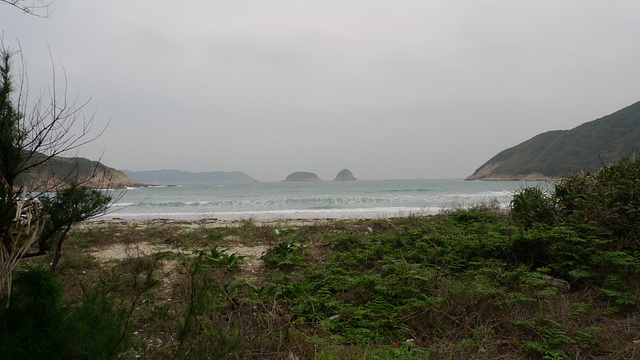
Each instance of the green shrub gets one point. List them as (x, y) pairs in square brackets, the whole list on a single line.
[(285, 255), (39, 324), (608, 199), (532, 206), (587, 228)]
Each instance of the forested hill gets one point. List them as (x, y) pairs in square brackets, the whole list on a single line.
[(558, 154)]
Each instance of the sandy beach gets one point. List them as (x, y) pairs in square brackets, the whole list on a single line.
[(210, 222), (118, 250)]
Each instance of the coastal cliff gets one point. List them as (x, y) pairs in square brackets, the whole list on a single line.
[(557, 154)]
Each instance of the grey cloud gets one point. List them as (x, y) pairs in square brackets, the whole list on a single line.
[(387, 89)]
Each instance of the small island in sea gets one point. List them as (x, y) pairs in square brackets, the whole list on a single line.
[(302, 176), (345, 175)]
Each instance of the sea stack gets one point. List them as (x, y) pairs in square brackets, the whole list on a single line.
[(345, 175), (302, 176)]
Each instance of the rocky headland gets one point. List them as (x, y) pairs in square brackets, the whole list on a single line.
[(57, 172), (558, 154)]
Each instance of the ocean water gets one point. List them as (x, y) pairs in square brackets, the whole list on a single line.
[(295, 200)]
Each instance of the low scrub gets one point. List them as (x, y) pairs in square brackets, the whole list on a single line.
[(556, 277)]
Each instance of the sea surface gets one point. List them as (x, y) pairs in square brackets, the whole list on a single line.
[(296, 200)]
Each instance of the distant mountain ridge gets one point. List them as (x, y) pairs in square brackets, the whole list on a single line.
[(179, 177), (561, 153)]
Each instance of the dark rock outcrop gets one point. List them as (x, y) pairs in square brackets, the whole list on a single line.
[(345, 175), (302, 176)]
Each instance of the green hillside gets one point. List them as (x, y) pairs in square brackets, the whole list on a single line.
[(558, 154), (58, 171)]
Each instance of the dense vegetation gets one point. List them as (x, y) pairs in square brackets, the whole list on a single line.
[(554, 277), (558, 154)]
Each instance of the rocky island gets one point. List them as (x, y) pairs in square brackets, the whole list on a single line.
[(302, 176), (345, 175)]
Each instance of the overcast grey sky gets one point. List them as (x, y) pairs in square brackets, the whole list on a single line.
[(388, 89)]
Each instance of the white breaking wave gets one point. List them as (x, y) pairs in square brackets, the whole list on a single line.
[(364, 199)]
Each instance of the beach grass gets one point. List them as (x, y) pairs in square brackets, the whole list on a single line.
[(460, 285), (556, 276)]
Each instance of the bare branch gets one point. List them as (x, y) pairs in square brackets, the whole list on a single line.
[(56, 125), (38, 8), (29, 145)]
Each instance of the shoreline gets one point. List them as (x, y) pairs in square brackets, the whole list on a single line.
[(215, 222), (354, 200)]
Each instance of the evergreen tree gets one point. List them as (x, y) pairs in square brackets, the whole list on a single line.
[(26, 143)]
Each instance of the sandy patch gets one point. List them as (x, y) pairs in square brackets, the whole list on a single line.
[(115, 252), (122, 251), (211, 222), (251, 255)]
